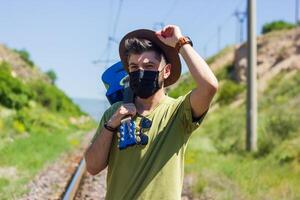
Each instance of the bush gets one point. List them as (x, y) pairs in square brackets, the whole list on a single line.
[(226, 128), (282, 124), (13, 93), (16, 94), (288, 151), (18, 127), (52, 75), (228, 91), (183, 88), (40, 118), (25, 56), (1, 126), (277, 125), (53, 98), (225, 72), (276, 25)]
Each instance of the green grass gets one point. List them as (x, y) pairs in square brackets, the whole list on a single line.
[(30, 154), (35, 127), (45, 135), (30, 139), (216, 155), (235, 176)]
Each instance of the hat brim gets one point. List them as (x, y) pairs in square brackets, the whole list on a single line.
[(170, 53)]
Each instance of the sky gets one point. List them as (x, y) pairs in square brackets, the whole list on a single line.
[(68, 36)]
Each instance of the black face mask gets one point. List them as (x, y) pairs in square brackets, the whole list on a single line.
[(145, 83)]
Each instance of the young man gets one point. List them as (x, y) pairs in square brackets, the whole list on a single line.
[(155, 170)]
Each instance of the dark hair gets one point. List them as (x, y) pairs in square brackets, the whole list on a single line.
[(139, 46)]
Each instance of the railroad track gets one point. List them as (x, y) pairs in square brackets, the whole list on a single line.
[(66, 178), (84, 186), (75, 181)]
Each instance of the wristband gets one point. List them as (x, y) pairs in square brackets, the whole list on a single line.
[(111, 129), (182, 41)]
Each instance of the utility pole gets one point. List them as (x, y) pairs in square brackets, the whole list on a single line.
[(241, 16), (251, 79)]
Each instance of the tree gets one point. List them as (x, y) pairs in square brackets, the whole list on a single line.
[(52, 75), (277, 25), (23, 53)]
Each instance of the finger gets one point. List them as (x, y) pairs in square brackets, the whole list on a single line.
[(160, 37), (164, 31), (158, 32), (128, 104), (169, 31), (123, 111), (132, 112), (130, 108)]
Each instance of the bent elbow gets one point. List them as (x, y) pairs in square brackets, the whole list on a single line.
[(213, 87), (92, 169)]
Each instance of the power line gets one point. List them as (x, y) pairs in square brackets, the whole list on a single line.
[(220, 28), (161, 24), (297, 12), (117, 18), (171, 9), (111, 38), (217, 34), (241, 16)]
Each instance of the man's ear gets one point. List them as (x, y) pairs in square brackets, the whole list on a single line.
[(167, 71)]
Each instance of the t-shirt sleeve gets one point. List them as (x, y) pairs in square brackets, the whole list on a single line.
[(186, 116), (100, 126)]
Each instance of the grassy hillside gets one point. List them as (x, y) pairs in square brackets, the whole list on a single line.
[(216, 155), (38, 122)]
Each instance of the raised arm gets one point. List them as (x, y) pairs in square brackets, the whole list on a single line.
[(207, 83)]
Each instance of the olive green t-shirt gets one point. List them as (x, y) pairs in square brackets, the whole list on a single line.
[(152, 171)]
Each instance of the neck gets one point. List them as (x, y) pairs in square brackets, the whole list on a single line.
[(147, 105)]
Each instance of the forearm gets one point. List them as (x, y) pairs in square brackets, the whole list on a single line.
[(200, 71), (96, 156)]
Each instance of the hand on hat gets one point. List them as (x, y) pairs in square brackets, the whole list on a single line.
[(169, 35)]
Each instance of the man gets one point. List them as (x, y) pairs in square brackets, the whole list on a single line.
[(155, 170)]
